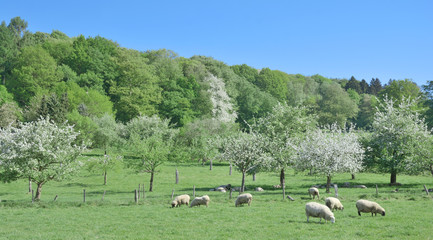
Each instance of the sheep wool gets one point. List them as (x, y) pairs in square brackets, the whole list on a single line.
[(204, 200), (244, 198), (318, 210), (369, 206), (314, 192), (333, 203), (179, 200)]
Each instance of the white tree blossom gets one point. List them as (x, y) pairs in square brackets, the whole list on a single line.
[(222, 106), (283, 124), (245, 151), (40, 150), (329, 151), (401, 141)]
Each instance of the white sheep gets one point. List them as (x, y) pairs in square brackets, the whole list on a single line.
[(244, 198), (220, 189), (258, 189), (369, 206), (333, 203), (204, 200), (313, 192), (314, 209), (179, 200)]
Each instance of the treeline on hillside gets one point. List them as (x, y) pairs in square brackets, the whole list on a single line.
[(81, 79)]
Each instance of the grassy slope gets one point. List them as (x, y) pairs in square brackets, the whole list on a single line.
[(408, 212)]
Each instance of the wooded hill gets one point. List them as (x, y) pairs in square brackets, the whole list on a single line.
[(81, 79)]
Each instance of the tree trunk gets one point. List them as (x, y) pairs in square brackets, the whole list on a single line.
[(105, 177), (243, 182), (282, 178), (393, 177), (39, 191), (353, 176), (328, 184), (151, 182), (30, 185)]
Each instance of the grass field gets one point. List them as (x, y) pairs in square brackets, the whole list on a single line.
[(409, 212)]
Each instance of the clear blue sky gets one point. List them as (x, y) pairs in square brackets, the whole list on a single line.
[(337, 39)]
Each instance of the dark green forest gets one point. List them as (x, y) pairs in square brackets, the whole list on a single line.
[(85, 80)]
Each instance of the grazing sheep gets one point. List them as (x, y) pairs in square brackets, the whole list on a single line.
[(359, 186), (333, 203), (314, 209), (204, 200), (369, 206), (179, 200), (259, 189), (313, 192), (244, 198), (277, 186)]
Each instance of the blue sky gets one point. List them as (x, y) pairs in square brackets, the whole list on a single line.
[(337, 39)]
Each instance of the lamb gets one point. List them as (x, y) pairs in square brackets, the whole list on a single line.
[(314, 209), (179, 200), (244, 198), (333, 203), (204, 200), (314, 191), (258, 189), (369, 206)]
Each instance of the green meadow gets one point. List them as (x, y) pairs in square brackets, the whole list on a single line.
[(408, 211)]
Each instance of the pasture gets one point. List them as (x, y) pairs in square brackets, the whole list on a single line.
[(408, 211)]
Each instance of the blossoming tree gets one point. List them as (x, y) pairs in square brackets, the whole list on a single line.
[(41, 151), (329, 151)]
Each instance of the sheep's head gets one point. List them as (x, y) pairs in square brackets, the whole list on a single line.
[(173, 204), (332, 219)]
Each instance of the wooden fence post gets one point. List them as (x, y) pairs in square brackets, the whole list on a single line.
[(336, 190), (210, 168), (377, 191), (172, 194), (84, 195), (426, 190), (231, 191), (230, 172), (55, 198), (193, 191), (135, 196), (177, 176)]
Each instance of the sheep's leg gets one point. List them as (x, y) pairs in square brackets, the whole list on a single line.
[(359, 213)]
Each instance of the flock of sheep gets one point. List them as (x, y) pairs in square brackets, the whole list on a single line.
[(312, 209), (204, 200)]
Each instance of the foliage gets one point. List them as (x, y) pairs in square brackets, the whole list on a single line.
[(135, 91), (107, 133), (399, 90), (40, 151), (10, 113), (335, 105)]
